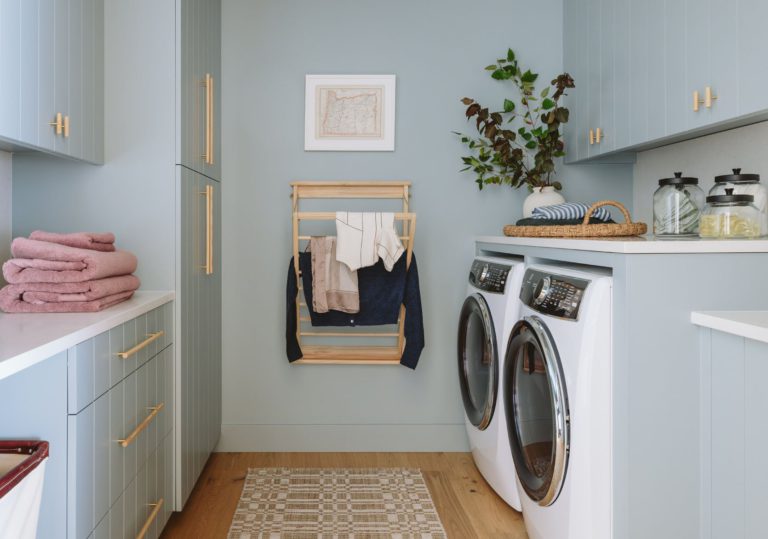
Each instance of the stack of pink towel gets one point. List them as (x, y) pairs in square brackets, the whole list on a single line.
[(66, 273)]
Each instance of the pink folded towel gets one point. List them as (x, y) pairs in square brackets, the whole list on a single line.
[(42, 263), (86, 291), (84, 240), (11, 302)]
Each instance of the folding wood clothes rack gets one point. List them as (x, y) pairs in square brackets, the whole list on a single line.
[(348, 354)]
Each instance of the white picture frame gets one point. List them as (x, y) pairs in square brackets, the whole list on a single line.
[(349, 113)]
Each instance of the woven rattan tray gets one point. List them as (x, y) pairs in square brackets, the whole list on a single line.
[(584, 230)]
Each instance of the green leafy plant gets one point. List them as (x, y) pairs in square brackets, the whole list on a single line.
[(522, 153)]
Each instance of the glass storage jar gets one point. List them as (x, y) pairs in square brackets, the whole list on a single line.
[(677, 205), (745, 184), (730, 216)]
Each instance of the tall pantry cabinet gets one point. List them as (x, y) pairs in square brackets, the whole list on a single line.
[(159, 191)]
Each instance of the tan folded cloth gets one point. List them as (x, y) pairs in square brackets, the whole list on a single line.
[(334, 285)]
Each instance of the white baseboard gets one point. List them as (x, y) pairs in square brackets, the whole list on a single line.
[(357, 438)]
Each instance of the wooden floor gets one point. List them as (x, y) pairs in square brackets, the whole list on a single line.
[(467, 506)]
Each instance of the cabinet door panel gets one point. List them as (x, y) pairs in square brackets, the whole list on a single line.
[(76, 80), (656, 89), (752, 54), (621, 75), (29, 74), (61, 61), (10, 68), (638, 117), (46, 74), (678, 95), (608, 88), (594, 82), (574, 56)]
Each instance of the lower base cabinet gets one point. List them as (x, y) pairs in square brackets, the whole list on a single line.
[(110, 425)]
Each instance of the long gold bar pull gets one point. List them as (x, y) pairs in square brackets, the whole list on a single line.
[(209, 232), (57, 124), (66, 126), (211, 124), (143, 344), (207, 152), (708, 97), (152, 516), (208, 194), (154, 410)]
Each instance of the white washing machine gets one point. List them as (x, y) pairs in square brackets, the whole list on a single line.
[(489, 312), (557, 381)]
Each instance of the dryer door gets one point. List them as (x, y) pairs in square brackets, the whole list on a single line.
[(478, 361), (536, 403)]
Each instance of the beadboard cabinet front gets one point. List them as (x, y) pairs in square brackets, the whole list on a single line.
[(199, 284), (199, 61), (52, 77), (650, 72)]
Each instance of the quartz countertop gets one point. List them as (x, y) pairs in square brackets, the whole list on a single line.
[(636, 245), (27, 339), (749, 324)]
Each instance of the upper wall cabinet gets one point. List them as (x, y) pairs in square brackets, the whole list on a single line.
[(653, 72), (52, 77), (199, 50)]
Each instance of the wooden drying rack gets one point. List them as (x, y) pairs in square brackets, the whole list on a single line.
[(349, 354)]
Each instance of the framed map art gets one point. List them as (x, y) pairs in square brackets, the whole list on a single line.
[(350, 113)]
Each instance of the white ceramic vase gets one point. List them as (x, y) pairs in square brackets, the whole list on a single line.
[(541, 196)]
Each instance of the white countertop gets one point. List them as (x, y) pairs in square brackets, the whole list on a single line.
[(750, 324), (26, 339), (636, 245)]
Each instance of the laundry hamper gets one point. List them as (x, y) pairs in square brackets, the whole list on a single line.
[(22, 468)]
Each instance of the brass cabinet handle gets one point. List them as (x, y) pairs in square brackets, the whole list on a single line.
[(599, 135), (66, 126), (591, 137), (208, 83), (154, 410), (696, 101), (708, 97), (150, 338), (210, 123), (57, 124), (208, 194), (152, 516)]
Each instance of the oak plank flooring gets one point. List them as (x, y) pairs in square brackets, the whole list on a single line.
[(467, 506)]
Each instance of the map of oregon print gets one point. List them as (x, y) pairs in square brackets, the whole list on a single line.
[(349, 111)]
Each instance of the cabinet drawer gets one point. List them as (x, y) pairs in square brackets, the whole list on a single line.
[(112, 440), (94, 366), (138, 505)]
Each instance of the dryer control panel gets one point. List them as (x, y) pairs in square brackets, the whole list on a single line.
[(554, 295), (489, 276)]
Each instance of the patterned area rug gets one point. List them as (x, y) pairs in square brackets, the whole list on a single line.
[(307, 503)]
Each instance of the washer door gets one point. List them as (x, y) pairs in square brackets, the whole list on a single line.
[(478, 361), (536, 403)]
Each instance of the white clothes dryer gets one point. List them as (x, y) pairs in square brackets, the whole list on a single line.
[(488, 314), (557, 399)]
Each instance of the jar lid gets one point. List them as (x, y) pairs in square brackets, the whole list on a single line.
[(730, 198), (679, 180), (737, 176)]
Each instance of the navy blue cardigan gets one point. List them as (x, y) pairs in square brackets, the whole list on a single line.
[(381, 294)]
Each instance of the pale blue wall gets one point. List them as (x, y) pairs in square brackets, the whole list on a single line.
[(438, 50)]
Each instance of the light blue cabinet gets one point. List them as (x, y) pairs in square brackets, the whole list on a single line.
[(51, 69), (734, 433), (200, 342), (655, 72), (199, 38)]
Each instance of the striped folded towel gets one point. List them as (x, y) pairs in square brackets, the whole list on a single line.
[(569, 210)]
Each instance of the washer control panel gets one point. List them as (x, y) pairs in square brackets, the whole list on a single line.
[(555, 295), (489, 276)]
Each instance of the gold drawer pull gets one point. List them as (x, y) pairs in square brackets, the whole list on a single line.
[(143, 425), (152, 516), (146, 342)]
